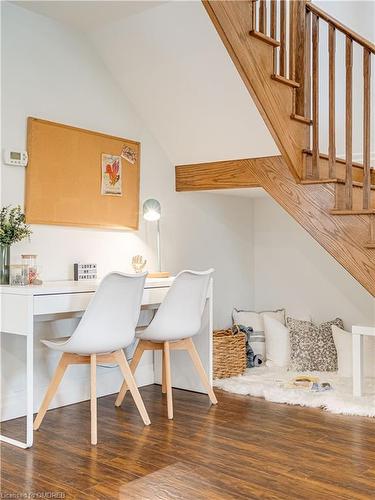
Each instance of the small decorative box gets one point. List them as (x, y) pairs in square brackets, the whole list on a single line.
[(85, 272)]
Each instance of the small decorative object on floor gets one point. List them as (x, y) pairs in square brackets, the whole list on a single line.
[(138, 263), (308, 383), (12, 229), (229, 353), (85, 272)]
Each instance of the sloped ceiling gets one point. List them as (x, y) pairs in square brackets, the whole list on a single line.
[(171, 64), (85, 15)]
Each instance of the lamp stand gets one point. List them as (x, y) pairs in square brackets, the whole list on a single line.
[(158, 246), (160, 273)]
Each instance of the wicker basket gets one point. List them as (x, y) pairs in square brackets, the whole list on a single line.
[(229, 353)]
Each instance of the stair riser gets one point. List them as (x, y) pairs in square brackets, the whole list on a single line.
[(340, 197), (340, 170)]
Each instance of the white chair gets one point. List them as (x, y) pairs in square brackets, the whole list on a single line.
[(177, 320), (107, 326)]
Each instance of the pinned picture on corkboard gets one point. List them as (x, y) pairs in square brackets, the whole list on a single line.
[(78, 177), (111, 175), (129, 154)]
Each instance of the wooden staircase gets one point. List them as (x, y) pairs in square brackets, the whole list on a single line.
[(275, 47)]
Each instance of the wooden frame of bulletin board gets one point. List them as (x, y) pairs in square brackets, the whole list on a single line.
[(77, 177)]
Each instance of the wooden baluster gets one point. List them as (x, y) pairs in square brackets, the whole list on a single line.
[(263, 16), (292, 39), (349, 125), (305, 97), (332, 111), (282, 52), (302, 61), (254, 15), (366, 128), (315, 96), (273, 19), (273, 32)]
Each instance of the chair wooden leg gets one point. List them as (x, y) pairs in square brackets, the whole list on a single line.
[(200, 369), (93, 401), (51, 391), (128, 376), (133, 366), (163, 383), (168, 383)]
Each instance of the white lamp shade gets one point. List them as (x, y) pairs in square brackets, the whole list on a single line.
[(151, 210)]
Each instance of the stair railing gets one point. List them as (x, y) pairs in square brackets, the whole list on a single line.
[(294, 30)]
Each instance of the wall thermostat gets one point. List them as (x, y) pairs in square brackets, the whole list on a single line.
[(16, 158)]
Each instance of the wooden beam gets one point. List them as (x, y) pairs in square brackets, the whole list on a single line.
[(216, 175)]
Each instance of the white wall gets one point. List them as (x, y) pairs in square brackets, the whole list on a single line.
[(182, 81), (50, 72), (292, 270)]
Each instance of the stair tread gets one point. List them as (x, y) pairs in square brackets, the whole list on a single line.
[(320, 181), (355, 183), (302, 119), (286, 81), (369, 211), (333, 180), (264, 38)]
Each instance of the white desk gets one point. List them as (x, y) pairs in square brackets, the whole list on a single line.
[(357, 339), (21, 306)]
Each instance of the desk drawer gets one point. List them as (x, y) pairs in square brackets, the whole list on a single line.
[(154, 295), (74, 302), (61, 303)]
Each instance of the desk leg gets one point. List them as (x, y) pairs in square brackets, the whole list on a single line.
[(29, 399), (357, 341)]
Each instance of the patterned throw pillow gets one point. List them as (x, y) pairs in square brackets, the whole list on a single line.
[(312, 347), (255, 321)]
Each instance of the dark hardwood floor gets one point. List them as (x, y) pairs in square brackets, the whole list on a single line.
[(243, 448)]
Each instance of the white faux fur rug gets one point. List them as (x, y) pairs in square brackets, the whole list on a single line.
[(268, 383)]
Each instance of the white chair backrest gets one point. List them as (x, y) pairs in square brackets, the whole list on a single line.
[(110, 319), (180, 313)]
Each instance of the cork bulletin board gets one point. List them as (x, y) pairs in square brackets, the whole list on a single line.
[(78, 177)]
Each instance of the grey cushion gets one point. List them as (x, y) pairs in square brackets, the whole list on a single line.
[(312, 347)]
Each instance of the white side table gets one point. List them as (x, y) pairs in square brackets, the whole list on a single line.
[(358, 333)]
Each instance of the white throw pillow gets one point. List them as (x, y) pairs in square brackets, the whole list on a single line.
[(343, 343), (277, 343), (255, 321)]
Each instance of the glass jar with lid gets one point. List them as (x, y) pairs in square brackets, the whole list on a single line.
[(19, 275), (29, 260)]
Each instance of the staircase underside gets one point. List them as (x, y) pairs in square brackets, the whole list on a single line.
[(343, 237), (333, 199)]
